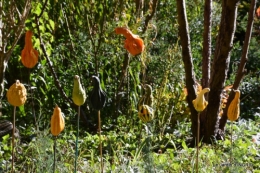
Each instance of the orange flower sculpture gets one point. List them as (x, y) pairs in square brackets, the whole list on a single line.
[(257, 13), (133, 43), (57, 121), (29, 54)]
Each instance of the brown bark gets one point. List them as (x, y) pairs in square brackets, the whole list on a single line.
[(206, 54), (220, 66), (188, 63), (241, 70)]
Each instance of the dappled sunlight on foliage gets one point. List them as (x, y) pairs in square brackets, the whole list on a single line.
[(141, 93)]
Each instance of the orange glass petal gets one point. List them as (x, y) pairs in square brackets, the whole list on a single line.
[(57, 122), (29, 54), (133, 44), (257, 13), (126, 32)]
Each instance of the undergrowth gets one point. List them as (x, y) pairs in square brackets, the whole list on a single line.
[(138, 150)]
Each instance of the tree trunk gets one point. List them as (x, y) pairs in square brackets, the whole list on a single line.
[(206, 54), (220, 67), (188, 63), (241, 70)]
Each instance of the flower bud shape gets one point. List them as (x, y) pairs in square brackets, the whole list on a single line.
[(57, 122), (234, 107), (97, 95), (16, 95), (200, 103), (133, 44), (78, 93), (147, 98), (29, 56), (145, 113)]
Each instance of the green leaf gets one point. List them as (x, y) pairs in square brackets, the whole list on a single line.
[(51, 24), (37, 9), (183, 144), (5, 138)]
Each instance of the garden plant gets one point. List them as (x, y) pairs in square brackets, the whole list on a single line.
[(158, 86)]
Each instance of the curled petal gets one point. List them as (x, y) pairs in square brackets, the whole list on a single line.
[(200, 103), (133, 44), (234, 107), (126, 32)]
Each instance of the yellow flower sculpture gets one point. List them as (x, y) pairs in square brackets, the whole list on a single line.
[(78, 93), (145, 113), (57, 122), (234, 107), (16, 95), (200, 103), (145, 104)]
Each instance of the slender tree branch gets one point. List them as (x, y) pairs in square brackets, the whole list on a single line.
[(19, 29), (138, 7), (71, 41), (66, 20), (100, 35), (8, 27), (187, 60), (241, 70), (150, 16), (206, 56), (206, 52), (43, 9), (56, 80), (121, 84), (1, 27)]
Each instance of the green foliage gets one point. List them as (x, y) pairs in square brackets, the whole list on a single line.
[(79, 38), (5, 151), (126, 151), (250, 97)]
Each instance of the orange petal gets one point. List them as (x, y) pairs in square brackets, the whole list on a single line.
[(258, 12), (134, 46), (126, 32), (29, 56)]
